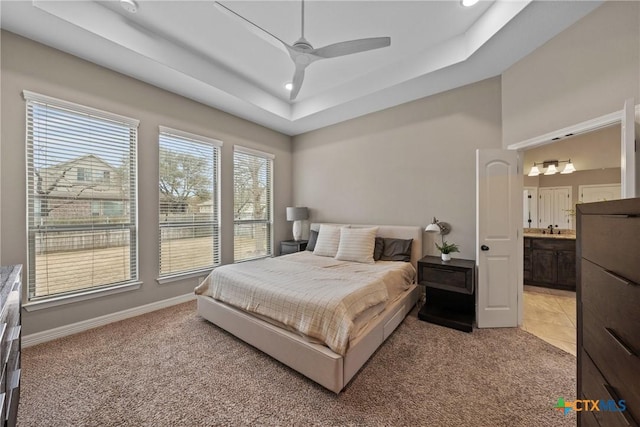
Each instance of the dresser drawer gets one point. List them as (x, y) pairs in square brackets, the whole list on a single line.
[(588, 420), (449, 279), (616, 301), (595, 387), (619, 365), (612, 242), (13, 398)]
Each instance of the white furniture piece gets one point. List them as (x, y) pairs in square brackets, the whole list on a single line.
[(315, 361)]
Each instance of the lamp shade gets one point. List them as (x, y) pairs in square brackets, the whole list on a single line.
[(551, 170), (569, 168), (534, 171), (432, 228), (297, 213)]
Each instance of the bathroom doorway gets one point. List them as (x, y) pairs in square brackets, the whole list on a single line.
[(548, 225)]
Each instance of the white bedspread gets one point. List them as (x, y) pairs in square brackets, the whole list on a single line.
[(318, 296)]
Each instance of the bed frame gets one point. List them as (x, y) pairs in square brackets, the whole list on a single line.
[(315, 361)]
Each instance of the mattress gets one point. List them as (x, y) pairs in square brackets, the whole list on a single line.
[(326, 300)]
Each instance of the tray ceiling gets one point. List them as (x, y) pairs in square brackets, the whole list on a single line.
[(191, 48)]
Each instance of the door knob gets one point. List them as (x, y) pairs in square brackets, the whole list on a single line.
[(484, 247)]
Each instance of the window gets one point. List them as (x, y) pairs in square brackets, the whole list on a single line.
[(81, 174), (189, 189), (252, 204), (75, 245)]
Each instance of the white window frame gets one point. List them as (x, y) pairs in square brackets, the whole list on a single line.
[(269, 222), (217, 145), (36, 303)]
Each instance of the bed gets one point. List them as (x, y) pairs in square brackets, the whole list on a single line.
[(333, 363)]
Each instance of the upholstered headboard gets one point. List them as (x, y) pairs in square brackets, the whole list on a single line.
[(392, 231)]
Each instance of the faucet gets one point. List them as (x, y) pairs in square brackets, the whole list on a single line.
[(550, 227)]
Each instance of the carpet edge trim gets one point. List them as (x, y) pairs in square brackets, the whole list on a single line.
[(84, 325)]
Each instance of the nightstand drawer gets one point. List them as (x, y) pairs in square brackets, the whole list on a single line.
[(449, 279), (292, 246)]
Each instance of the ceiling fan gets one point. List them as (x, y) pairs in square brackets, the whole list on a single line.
[(302, 52)]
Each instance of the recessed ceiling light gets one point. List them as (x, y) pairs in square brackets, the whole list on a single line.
[(129, 5), (288, 86), (469, 3)]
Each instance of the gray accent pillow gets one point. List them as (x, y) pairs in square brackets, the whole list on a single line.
[(313, 236), (377, 250), (396, 250)]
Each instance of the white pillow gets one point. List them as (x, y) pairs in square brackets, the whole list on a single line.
[(357, 244), (328, 240)]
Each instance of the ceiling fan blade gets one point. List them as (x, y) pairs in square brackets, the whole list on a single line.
[(259, 31), (353, 46), (298, 77)]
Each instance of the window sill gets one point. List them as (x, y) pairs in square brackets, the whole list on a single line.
[(81, 296), (182, 276)]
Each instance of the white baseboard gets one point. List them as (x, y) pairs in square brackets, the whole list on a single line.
[(74, 328)]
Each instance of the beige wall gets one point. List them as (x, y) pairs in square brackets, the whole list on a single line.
[(584, 72), (593, 150), (403, 165), (32, 66)]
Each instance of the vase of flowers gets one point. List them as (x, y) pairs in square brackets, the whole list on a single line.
[(446, 249)]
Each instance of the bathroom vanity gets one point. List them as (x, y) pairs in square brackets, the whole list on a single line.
[(550, 260)]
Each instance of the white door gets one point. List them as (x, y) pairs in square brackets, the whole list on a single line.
[(599, 192), (562, 208), (499, 250), (545, 207), (530, 207), (628, 155), (555, 207)]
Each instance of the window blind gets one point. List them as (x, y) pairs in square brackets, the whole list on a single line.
[(189, 202), (252, 201), (81, 196)]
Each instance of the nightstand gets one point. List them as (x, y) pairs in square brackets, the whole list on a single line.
[(292, 246), (450, 292)]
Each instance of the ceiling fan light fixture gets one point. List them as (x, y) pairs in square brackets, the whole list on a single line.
[(469, 3)]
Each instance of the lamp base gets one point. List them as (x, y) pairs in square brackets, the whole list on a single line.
[(297, 230)]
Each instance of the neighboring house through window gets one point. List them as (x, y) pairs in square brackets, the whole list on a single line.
[(189, 189), (82, 233), (253, 203)]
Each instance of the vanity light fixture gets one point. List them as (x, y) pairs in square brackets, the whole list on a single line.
[(551, 167)]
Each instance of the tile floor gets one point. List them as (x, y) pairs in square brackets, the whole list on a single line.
[(550, 314)]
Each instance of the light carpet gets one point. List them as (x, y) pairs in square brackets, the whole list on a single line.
[(173, 368)]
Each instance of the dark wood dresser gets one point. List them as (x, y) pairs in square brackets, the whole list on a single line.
[(608, 293), (10, 337)]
